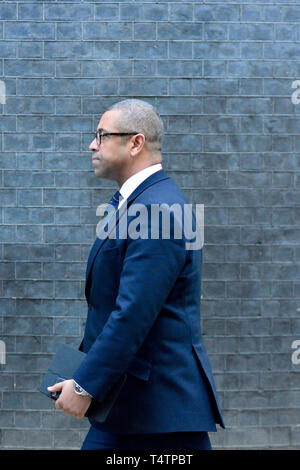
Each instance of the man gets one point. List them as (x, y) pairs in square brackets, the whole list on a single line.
[(143, 299)]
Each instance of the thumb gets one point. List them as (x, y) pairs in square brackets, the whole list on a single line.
[(56, 387)]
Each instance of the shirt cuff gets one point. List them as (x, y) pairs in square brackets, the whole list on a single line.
[(85, 392)]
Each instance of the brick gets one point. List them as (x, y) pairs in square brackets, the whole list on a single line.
[(180, 87), (69, 326), (179, 68), (25, 179), (65, 234), (214, 105), (8, 12), (257, 32), (216, 12), (106, 87), (214, 143), (252, 124), (7, 271), (8, 123), (142, 49), (215, 32), (180, 50), (69, 31), (27, 419), (51, 343), (73, 124), (30, 68), (8, 49), (28, 307), (249, 105), (249, 179), (68, 105), (63, 161), (27, 270), (60, 197), (107, 12), (30, 105), (30, 11), (107, 68), (151, 12), (177, 30), (106, 50), (284, 13), (28, 343), (252, 13), (215, 50), (254, 50), (214, 68), (249, 68), (27, 123), (114, 30), (6, 419), (68, 49), (188, 105), (285, 32), (68, 11), (67, 290), (29, 30), (143, 86), (182, 12), (181, 142), (37, 439), (278, 86), (12, 438), (70, 141), (30, 49), (7, 160), (67, 68), (54, 420), (67, 439), (145, 31), (285, 50), (63, 271), (64, 87), (144, 67)]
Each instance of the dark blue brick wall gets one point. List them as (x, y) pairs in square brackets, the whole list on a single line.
[(220, 73)]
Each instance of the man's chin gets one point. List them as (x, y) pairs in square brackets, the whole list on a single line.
[(101, 174), (98, 173)]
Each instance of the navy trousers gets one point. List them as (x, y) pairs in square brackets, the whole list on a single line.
[(99, 440)]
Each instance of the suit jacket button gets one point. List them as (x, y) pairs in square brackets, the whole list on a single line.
[(89, 306)]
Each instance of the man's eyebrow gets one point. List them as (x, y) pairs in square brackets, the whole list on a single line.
[(101, 129)]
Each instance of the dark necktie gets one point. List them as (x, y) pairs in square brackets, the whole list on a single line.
[(113, 202)]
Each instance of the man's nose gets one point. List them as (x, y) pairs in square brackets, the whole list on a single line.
[(93, 145)]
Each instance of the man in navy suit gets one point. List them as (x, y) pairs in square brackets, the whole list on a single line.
[(143, 296)]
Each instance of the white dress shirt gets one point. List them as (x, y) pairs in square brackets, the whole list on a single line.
[(135, 180)]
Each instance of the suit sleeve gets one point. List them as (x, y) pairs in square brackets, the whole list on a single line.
[(150, 270)]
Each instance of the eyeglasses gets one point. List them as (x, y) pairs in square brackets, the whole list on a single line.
[(98, 135)]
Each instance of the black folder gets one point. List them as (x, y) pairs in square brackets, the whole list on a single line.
[(63, 366)]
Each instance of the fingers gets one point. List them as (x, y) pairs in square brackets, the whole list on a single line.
[(58, 405), (56, 387)]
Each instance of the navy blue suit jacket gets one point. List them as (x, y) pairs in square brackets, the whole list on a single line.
[(144, 320)]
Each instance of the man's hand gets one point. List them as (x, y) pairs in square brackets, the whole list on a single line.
[(69, 401)]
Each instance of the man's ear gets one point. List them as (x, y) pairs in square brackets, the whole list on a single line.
[(137, 143)]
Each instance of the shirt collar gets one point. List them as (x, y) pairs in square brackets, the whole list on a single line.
[(135, 180)]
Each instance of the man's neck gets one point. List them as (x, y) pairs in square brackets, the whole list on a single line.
[(135, 180), (133, 171)]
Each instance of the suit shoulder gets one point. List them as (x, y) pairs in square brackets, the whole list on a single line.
[(164, 191)]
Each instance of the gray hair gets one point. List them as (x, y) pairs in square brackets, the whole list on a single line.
[(140, 116)]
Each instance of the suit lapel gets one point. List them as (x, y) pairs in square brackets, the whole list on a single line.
[(152, 179)]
